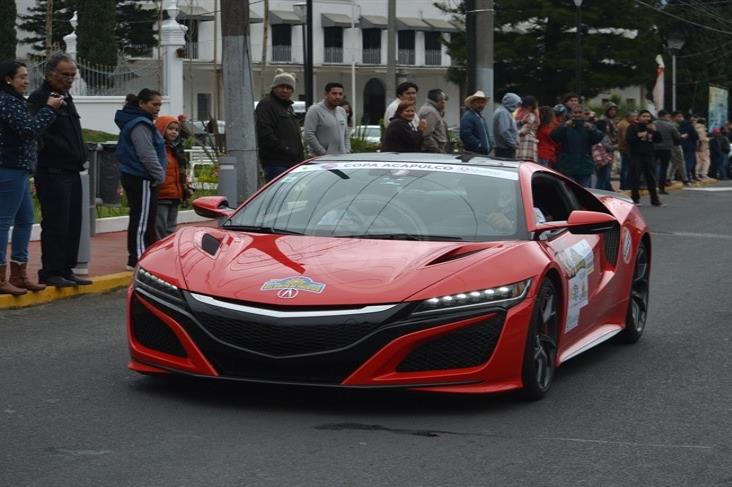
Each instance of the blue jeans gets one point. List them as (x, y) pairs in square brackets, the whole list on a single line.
[(624, 170), (690, 158), (603, 177), (16, 209), (585, 181)]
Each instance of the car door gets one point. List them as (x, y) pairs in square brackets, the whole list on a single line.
[(578, 255)]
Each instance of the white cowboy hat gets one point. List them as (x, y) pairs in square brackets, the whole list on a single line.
[(475, 96)]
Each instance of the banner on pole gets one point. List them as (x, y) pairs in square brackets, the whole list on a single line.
[(658, 90), (718, 106)]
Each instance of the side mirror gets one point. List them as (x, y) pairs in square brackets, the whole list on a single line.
[(212, 207), (581, 223)]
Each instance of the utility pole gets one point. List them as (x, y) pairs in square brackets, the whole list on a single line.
[(484, 20), (391, 52), (309, 50), (263, 74), (240, 165), (49, 29)]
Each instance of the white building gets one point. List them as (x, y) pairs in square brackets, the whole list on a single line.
[(421, 55)]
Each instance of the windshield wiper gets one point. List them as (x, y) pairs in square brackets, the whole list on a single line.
[(405, 236), (262, 229)]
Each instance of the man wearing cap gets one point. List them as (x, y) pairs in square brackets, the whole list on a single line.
[(278, 132), (473, 129)]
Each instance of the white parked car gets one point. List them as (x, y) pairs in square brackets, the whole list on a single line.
[(369, 133)]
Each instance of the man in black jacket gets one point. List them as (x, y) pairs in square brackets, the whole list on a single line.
[(278, 132), (61, 157), (641, 138)]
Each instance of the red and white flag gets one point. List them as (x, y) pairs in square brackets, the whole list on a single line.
[(659, 89)]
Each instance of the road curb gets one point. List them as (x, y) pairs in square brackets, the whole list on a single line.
[(677, 186), (101, 284)]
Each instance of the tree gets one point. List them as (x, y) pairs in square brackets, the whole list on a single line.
[(135, 28), (703, 60), (35, 24), (97, 21), (8, 39), (535, 47)]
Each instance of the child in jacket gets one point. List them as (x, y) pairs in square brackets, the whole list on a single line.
[(175, 189)]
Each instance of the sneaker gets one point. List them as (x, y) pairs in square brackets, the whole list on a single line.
[(130, 268)]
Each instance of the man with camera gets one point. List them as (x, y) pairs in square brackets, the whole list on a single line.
[(576, 138), (61, 158), (642, 138)]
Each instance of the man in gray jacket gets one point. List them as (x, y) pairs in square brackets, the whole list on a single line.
[(504, 130), (433, 112), (326, 130), (670, 137)]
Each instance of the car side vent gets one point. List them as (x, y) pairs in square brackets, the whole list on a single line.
[(210, 244), (612, 245)]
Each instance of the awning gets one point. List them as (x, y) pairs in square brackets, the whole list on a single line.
[(255, 18), (440, 25), (411, 23), (283, 17), (373, 22), (188, 12), (336, 20)]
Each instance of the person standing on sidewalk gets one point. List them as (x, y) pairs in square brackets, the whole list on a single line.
[(433, 113), (473, 130), (630, 118), (641, 138), (576, 137), (174, 190), (60, 160), (326, 124), (702, 152), (278, 131), (406, 91), (19, 132), (505, 130), (142, 164), (670, 137), (401, 136), (547, 148), (528, 124)]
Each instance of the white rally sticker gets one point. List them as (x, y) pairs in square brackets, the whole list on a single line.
[(577, 299), (578, 256), (627, 245), (410, 166)]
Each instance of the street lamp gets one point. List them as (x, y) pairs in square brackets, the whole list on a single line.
[(578, 67), (674, 43), (305, 12)]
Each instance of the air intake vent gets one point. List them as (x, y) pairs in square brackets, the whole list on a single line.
[(210, 244), (153, 333)]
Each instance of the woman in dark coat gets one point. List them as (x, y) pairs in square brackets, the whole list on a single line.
[(19, 133), (400, 134)]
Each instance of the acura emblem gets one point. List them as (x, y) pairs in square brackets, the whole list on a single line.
[(287, 293)]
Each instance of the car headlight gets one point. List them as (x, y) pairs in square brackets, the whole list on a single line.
[(504, 296), (154, 283)]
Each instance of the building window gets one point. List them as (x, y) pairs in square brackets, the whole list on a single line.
[(191, 38), (371, 46), (203, 106), (406, 46), (282, 43), (333, 39), (432, 49)]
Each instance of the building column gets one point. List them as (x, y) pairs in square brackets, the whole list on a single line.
[(172, 38)]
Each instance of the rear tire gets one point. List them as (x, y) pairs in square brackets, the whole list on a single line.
[(541, 344), (635, 318)]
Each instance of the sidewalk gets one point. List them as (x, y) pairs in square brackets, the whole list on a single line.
[(109, 256), (106, 268)]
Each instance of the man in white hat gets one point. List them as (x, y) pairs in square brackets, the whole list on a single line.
[(473, 129), (278, 131)]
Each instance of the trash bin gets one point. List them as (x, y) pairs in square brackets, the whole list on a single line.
[(108, 183)]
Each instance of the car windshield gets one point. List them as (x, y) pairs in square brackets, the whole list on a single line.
[(389, 200)]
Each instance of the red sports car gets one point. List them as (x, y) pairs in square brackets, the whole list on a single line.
[(431, 272)]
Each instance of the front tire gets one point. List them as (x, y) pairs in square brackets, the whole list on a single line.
[(635, 318), (541, 344)]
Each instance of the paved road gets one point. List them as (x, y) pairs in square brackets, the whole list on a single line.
[(658, 413)]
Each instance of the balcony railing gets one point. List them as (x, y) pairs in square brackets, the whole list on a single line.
[(433, 57), (281, 54), (192, 50), (372, 56), (406, 56), (333, 54)]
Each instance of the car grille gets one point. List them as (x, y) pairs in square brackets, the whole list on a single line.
[(281, 340), (152, 333), (467, 347)]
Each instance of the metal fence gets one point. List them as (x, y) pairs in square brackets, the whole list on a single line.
[(98, 80)]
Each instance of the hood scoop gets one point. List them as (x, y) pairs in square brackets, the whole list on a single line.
[(210, 244), (460, 252)]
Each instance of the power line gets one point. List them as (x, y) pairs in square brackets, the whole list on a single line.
[(663, 11)]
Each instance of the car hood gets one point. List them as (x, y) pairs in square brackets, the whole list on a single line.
[(266, 269)]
